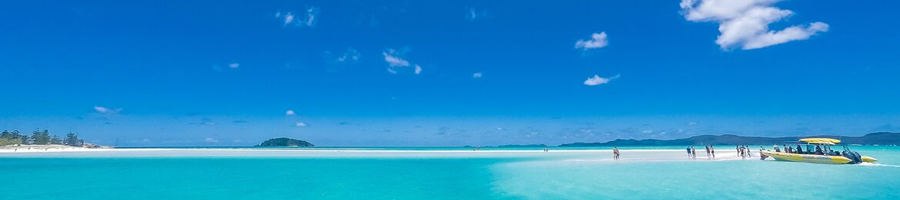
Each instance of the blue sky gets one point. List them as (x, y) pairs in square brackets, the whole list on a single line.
[(446, 73)]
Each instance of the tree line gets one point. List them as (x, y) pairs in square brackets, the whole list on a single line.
[(39, 137)]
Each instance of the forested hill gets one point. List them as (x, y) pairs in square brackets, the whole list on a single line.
[(285, 142), (881, 138)]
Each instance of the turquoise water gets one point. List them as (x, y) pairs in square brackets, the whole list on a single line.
[(532, 175)]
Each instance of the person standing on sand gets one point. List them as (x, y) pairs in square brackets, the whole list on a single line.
[(693, 152), (689, 151), (616, 153), (712, 150), (707, 152), (744, 151), (748, 152)]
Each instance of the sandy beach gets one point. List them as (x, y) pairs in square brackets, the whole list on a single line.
[(42, 148), (575, 155)]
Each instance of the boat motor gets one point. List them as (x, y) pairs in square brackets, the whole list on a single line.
[(854, 157)]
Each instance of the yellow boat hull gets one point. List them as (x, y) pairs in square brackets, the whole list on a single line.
[(869, 159), (811, 158)]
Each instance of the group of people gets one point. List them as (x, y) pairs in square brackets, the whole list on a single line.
[(743, 151), (799, 150), (710, 152)]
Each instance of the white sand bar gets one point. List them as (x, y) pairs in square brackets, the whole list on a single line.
[(572, 155)]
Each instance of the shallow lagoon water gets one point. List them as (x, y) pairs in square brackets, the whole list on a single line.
[(434, 173)]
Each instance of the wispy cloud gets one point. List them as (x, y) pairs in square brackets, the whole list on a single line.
[(229, 66), (300, 124), (289, 112), (393, 58), (477, 75), (473, 14), (338, 61), (395, 61), (288, 18), (745, 23), (598, 40), (106, 110), (211, 140), (309, 17), (597, 80), (311, 14), (349, 55)]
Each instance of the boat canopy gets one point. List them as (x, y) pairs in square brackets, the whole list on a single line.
[(826, 141)]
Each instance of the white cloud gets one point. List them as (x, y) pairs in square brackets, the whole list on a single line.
[(349, 55), (647, 131), (234, 65), (300, 124), (211, 140), (745, 23), (473, 14), (288, 18), (477, 75), (309, 20), (598, 40), (289, 112), (393, 59), (311, 14), (597, 80), (105, 110), (692, 123)]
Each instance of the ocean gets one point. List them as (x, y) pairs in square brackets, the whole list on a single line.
[(438, 173)]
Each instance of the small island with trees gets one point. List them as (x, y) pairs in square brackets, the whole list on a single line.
[(285, 142), (42, 140), (39, 137)]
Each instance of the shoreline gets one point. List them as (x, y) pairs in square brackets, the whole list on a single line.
[(577, 155), (26, 149)]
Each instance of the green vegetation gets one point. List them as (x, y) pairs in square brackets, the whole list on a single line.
[(14, 137), (38, 137), (285, 142), (72, 140)]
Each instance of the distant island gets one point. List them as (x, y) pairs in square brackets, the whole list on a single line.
[(521, 145), (510, 146), (880, 138), (285, 142)]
